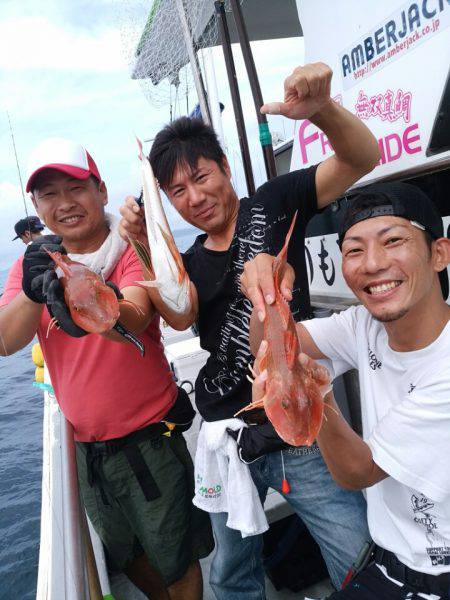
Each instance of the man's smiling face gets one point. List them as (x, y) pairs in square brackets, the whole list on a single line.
[(387, 263), (72, 208)]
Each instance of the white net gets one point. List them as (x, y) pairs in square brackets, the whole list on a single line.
[(155, 46)]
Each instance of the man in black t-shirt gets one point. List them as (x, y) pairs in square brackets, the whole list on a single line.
[(194, 172)]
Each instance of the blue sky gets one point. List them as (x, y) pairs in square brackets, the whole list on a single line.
[(64, 72)]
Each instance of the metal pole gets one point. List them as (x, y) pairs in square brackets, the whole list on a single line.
[(193, 59), (264, 134), (235, 97)]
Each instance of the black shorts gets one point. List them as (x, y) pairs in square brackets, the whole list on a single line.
[(371, 584)]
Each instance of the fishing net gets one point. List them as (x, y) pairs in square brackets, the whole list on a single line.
[(154, 42)]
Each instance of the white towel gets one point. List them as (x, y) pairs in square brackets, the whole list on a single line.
[(223, 483), (104, 260)]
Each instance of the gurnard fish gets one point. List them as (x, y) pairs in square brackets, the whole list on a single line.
[(161, 263), (293, 400), (93, 305)]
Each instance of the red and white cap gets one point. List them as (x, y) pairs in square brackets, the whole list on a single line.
[(62, 155)]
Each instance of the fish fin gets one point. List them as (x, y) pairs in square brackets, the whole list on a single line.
[(53, 323), (284, 311), (168, 238), (252, 405), (133, 305), (262, 366), (145, 258), (291, 348), (147, 284)]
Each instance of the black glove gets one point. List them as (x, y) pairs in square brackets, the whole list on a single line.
[(256, 440), (36, 265)]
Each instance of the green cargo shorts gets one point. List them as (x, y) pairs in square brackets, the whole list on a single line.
[(171, 531)]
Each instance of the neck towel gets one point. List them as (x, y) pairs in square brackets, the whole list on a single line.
[(104, 260), (223, 483)]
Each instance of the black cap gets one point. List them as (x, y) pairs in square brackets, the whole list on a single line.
[(398, 200), (31, 224)]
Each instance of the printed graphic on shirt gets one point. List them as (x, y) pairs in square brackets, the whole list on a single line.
[(437, 547), (374, 363), (412, 387), (234, 348)]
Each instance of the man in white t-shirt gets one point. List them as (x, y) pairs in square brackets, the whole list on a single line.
[(394, 259)]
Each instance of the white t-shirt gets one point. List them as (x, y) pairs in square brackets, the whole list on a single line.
[(405, 404)]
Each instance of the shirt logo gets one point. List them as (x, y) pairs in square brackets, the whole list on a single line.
[(374, 363), (412, 387)]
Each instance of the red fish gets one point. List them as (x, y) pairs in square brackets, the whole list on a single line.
[(294, 395), (92, 304)]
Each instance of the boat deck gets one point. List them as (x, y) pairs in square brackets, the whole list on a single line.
[(124, 590)]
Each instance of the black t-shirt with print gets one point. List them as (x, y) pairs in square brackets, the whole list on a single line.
[(263, 221)]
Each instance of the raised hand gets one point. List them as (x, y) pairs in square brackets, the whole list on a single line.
[(306, 92), (132, 223)]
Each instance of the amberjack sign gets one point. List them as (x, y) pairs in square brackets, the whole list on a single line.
[(402, 31), (390, 62)]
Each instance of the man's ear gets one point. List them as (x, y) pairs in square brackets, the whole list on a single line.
[(226, 166), (441, 253), (103, 192)]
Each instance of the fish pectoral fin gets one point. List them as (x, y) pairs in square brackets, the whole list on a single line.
[(152, 283), (168, 238), (145, 258), (252, 405)]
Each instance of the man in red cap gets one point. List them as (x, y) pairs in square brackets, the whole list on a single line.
[(136, 482)]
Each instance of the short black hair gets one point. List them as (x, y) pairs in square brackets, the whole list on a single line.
[(183, 142), (366, 201)]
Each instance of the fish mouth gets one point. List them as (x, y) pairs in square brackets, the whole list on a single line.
[(382, 288)]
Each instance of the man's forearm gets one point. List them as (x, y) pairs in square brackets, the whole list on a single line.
[(136, 313), (348, 457), (352, 141), (19, 321)]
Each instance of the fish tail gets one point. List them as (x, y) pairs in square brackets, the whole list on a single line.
[(57, 258), (281, 257)]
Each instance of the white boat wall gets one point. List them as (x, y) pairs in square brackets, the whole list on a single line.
[(67, 567)]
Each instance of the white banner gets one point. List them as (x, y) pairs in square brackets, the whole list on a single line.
[(390, 62), (323, 260)]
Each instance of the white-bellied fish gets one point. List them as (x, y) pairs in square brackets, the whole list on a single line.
[(161, 263)]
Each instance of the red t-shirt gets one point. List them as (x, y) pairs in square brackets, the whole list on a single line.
[(104, 388)]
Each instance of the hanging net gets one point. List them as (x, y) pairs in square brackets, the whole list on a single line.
[(154, 42)]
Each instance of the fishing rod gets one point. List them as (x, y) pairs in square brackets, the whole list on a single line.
[(17, 163)]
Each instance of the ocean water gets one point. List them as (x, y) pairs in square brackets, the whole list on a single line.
[(21, 411)]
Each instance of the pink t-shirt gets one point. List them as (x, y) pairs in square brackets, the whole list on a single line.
[(105, 388)]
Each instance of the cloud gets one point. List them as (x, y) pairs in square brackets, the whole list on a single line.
[(37, 43)]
